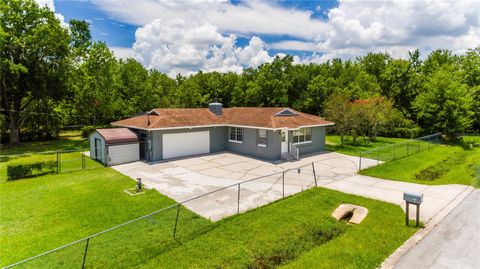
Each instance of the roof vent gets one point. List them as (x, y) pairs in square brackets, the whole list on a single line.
[(215, 107), (286, 112)]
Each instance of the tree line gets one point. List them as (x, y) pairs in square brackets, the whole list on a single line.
[(53, 77)]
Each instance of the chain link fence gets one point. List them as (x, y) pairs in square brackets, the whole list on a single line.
[(401, 150), (122, 246), (18, 166)]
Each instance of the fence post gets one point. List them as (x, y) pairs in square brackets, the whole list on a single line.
[(407, 148), (418, 146), (58, 162), (378, 156), (238, 199), (283, 184), (428, 142), (360, 162), (83, 160), (176, 222), (85, 253), (314, 174)]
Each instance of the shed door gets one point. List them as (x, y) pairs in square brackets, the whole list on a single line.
[(185, 144), (125, 153)]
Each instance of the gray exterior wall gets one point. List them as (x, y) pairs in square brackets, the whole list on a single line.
[(317, 144), (100, 149), (249, 146), (218, 139)]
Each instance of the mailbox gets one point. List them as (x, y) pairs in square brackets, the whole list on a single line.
[(413, 198)]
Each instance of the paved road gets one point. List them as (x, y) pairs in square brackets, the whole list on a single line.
[(454, 243)]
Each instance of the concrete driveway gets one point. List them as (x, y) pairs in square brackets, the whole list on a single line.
[(183, 179)]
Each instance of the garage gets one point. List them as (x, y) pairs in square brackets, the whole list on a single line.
[(185, 144), (114, 146)]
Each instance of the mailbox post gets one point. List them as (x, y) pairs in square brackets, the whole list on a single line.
[(412, 198)]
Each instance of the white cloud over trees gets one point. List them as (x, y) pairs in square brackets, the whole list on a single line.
[(186, 36)]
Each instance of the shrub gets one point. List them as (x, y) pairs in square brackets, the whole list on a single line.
[(23, 170), (440, 168), (87, 130)]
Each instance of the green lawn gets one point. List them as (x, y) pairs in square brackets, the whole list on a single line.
[(67, 140), (31, 152), (45, 212), (443, 164), (333, 143)]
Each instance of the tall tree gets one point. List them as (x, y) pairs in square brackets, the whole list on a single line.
[(446, 104), (34, 59)]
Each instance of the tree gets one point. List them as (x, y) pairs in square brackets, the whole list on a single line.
[(338, 110), (34, 59), (445, 104)]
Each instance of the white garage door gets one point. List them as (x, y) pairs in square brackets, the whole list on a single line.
[(184, 144), (123, 154)]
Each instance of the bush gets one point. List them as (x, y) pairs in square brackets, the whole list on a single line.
[(23, 170), (87, 130), (440, 168)]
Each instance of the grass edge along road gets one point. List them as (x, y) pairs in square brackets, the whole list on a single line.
[(42, 213)]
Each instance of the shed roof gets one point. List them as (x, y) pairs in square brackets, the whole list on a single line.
[(117, 135)]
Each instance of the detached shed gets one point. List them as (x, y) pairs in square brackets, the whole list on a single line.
[(114, 146)]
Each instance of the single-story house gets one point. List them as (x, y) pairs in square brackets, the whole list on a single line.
[(270, 133), (114, 146)]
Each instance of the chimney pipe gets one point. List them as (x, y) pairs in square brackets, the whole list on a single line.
[(215, 107)]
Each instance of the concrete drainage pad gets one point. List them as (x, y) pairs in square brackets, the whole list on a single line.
[(354, 213)]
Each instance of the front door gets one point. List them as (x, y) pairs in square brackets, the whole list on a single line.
[(284, 141)]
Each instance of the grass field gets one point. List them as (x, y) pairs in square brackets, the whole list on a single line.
[(67, 140), (443, 164), (42, 213), (30, 152), (333, 143)]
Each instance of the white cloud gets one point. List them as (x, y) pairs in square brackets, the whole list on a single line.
[(50, 5), (294, 45), (399, 26), (185, 36), (180, 46), (123, 53), (245, 17)]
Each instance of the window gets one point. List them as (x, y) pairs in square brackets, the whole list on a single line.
[(236, 134), (262, 138), (302, 135)]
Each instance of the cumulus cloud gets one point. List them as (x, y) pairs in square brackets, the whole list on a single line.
[(180, 46), (50, 5), (123, 53), (294, 45), (245, 17), (399, 26), (186, 36)]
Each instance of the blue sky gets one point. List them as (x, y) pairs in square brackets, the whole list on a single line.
[(102, 26), (187, 36), (115, 33)]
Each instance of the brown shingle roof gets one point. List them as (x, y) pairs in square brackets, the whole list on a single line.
[(245, 116), (117, 135)]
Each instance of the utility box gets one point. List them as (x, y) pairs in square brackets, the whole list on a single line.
[(413, 198)]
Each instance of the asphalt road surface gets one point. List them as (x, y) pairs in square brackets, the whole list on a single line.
[(454, 243)]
